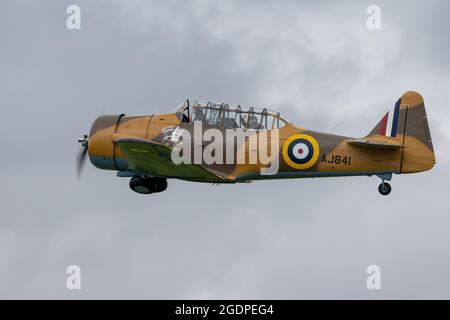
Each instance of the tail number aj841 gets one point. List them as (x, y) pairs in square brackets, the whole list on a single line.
[(337, 159)]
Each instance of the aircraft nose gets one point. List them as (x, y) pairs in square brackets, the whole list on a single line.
[(101, 146)]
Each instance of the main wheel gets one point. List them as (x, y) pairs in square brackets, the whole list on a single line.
[(142, 185), (384, 188), (161, 184)]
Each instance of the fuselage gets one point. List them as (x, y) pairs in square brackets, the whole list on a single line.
[(330, 155), (221, 143)]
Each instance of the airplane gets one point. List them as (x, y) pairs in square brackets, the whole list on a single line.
[(142, 147)]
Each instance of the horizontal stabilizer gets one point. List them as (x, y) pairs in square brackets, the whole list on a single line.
[(375, 145)]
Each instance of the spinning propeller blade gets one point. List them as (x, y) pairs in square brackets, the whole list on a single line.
[(81, 158)]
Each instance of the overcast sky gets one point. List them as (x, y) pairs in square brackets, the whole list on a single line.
[(316, 62)]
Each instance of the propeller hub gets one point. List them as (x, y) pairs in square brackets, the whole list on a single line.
[(83, 140)]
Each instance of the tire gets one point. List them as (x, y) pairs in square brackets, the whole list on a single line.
[(161, 184), (142, 185), (384, 188)]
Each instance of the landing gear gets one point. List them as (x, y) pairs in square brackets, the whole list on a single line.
[(384, 188), (147, 185)]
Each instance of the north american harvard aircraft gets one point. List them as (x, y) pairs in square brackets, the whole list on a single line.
[(140, 147)]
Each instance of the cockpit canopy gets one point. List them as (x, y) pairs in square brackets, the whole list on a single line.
[(230, 116)]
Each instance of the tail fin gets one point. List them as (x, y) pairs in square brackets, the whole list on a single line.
[(392, 122), (381, 126), (409, 127)]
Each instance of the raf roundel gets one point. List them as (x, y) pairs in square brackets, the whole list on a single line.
[(300, 151)]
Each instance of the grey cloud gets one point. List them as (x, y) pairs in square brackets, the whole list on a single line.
[(309, 238)]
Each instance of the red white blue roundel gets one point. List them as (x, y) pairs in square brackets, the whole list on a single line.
[(300, 151)]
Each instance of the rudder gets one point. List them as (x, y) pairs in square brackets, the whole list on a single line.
[(413, 132)]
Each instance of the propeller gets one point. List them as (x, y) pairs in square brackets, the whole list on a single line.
[(81, 157)]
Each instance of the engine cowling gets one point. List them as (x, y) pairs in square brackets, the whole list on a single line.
[(103, 151)]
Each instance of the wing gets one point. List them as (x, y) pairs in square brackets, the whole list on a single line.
[(152, 158), (375, 144)]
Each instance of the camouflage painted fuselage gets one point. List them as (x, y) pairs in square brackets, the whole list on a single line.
[(409, 150)]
